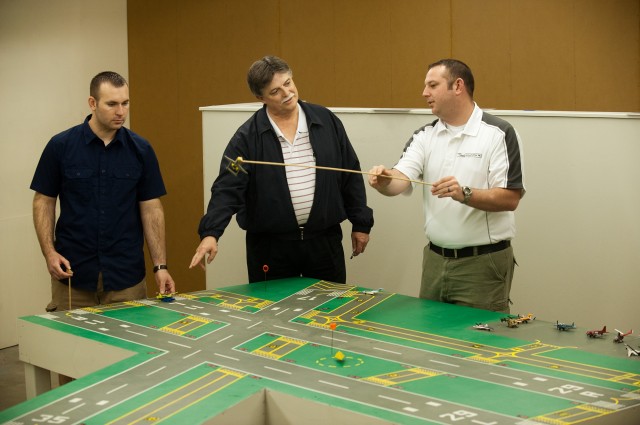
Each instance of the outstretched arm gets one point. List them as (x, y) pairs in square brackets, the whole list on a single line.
[(207, 250), (385, 185)]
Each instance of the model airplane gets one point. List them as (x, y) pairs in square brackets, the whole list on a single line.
[(372, 292), (632, 351), (597, 333), (565, 326), (166, 298), (514, 321), (621, 335), (482, 327)]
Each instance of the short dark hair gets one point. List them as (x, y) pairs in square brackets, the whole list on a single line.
[(262, 71), (457, 69), (113, 78)]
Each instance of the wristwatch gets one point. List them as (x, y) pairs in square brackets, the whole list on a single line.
[(467, 192), (159, 267)]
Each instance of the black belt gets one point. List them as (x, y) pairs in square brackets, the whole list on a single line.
[(469, 251), (303, 233)]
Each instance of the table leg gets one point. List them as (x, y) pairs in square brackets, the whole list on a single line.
[(37, 380)]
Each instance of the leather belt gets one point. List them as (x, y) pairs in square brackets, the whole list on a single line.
[(469, 251)]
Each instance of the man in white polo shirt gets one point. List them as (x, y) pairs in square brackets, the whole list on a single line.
[(292, 214), (475, 164)]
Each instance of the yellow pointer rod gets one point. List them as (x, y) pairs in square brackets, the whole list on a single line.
[(70, 288), (235, 167)]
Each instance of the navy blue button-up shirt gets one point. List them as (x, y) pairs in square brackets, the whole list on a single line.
[(99, 229)]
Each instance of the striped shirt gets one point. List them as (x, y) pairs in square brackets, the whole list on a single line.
[(302, 181)]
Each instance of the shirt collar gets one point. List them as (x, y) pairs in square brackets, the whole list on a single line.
[(472, 126), (89, 136), (302, 124)]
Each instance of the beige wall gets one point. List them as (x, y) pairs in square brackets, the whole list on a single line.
[(49, 50)]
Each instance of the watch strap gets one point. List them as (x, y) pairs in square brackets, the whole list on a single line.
[(160, 267)]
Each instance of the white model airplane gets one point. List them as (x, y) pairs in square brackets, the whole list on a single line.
[(372, 292), (482, 327), (632, 351)]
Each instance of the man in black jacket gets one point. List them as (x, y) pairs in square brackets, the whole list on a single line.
[(292, 214)]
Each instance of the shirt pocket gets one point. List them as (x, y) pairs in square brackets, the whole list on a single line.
[(77, 183), (126, 179)]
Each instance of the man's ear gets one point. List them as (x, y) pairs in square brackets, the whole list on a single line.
[(92, 103), (460, 85)]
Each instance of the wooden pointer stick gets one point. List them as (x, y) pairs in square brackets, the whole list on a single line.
[(236, 166), (70, 288)]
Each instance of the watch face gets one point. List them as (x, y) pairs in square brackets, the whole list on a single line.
[(466, 190)]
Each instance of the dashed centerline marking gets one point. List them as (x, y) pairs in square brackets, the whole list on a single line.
[(116, 389), (333, 384), (192, 354), (387, 351), (277, 370), (152, 372), (226, 357), (393, 399)]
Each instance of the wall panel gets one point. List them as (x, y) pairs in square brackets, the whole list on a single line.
[(153, 83), (486, 48), (309, 44), (362, 53), (420, 36), (607, 51), (543, 66)]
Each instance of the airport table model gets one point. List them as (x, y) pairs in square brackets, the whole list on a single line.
[(303, 351)]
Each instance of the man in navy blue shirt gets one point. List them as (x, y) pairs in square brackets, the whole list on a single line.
[(109, 183)]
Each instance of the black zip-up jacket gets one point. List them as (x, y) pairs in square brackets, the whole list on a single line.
[(261, 199)]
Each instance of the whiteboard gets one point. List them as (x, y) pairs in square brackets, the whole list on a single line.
[(578, 235)]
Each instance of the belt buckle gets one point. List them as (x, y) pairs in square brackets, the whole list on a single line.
[(455, 253)]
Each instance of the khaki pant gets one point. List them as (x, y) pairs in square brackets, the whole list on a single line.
[(81, 299), (482, 281)]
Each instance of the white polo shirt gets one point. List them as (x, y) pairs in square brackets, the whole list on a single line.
[(487, 153)]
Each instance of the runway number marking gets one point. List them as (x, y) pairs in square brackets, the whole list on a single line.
[(568, 389), (460, 415)]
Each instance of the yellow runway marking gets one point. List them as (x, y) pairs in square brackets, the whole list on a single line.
[(167, 400)]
